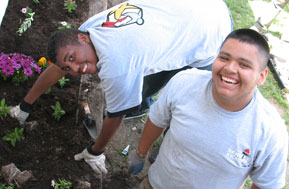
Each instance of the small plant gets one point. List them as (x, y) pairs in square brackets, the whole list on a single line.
[(4, 108), (35, 1), (43, 63), (27, 22), (58, 112), (63, 25), (70, 6), (13, 137), (3, 186), (18, 67), (27, 12), (62, 81), (47, 91), (61, 184)]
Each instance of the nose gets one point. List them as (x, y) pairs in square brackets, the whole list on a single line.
[(74, 67), (231, 67)]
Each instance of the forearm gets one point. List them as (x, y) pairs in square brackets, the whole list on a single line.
[(109, 128), (254, 186), (46, 79), (150, 133)]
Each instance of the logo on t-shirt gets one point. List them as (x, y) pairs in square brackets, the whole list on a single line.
[(241, 158), (125, 15)]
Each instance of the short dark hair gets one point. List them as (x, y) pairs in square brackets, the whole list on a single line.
[(62, 38), (252, 37)]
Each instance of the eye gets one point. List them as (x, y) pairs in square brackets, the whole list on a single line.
[(223, 58), (67, 68), (244, 65), (71, 58)]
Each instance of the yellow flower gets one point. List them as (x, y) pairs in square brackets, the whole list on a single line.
[(42, 61)]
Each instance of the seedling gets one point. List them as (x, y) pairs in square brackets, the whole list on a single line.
[(13, 137), (27, 22), (62, 81), (70, 5), (58, 112), (61, 184), (35, 1), (47, 91), (63, 25), (3, 186), (4, 109)]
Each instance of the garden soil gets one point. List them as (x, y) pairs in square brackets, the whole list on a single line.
[(48, 146)]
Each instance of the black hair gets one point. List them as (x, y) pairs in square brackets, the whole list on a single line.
[(62, 38), (252, 37)]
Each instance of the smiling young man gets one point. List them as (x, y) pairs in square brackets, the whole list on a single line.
[(220, 132), (135, 48)]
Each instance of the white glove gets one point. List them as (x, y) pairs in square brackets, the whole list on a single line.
[(97, 163), (18, 114)]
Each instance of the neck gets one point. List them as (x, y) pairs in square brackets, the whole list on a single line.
[(232, 104)]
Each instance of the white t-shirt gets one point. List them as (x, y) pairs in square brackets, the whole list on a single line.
[(142, 37), (209, 147)]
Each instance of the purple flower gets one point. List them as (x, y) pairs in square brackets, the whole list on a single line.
[(16, 65), (28, 72), (8, 71), (37, 69)]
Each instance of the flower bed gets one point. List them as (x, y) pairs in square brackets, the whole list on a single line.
[(47, 145)]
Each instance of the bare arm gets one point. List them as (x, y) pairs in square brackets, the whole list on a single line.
[(46, 79), (254, 186), (109, 128), (150, 133)]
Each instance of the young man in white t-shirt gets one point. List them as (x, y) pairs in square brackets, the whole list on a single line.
[(135, 48), (220, 132)]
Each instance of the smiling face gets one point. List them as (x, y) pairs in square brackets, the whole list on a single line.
[(78, 59), (236, 73)]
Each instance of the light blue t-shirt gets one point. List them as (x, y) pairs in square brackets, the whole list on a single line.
[(142, 37), (209, 147)]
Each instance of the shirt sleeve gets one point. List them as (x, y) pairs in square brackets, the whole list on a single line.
[(160, 112), (123, 92), (272, 171)]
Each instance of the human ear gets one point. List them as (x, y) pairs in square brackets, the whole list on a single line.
[(83, 37), (262, 77)]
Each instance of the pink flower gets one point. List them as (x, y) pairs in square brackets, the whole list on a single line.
[(24, 10), (63, 23), (70, 1), (52, 183)]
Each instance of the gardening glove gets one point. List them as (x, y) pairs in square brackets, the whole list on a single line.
[(21, 112), (135, 162), (96, 160)]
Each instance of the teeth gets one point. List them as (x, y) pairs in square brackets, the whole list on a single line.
[(228, 80), (84, 69)]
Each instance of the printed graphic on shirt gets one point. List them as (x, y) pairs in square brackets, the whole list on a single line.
[(241, 158), (125, 15)]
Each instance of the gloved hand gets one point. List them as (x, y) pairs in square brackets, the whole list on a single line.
[(18, 114), (96, 162), (135, 163)]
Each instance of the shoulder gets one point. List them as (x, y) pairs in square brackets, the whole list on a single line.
[(272, 124), (192, 76), (265, 108), (188, 82)]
